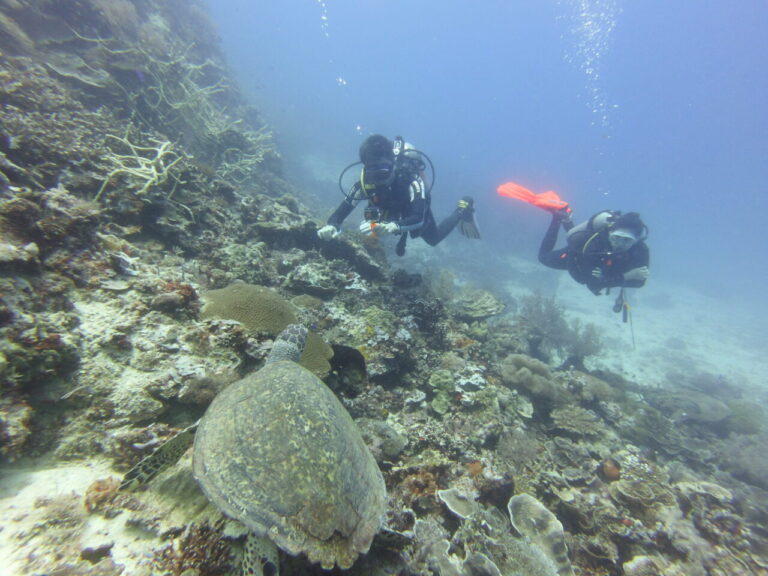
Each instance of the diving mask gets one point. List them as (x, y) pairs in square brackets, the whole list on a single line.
[(379, 173), (621, 240)]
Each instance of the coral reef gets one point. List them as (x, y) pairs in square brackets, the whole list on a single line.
[(533, 377), (576, 421), (263, 310), (200, 549), (257, 308), (549, 333), (476, 304), (149, 251)]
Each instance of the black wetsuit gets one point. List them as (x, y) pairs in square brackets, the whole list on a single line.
[(405, 202), (589, 249)]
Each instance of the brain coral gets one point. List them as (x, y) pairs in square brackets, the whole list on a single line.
[(257, 308), (261, 309), (317, 355)]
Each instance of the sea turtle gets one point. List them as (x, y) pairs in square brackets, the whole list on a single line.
[(277, 451)]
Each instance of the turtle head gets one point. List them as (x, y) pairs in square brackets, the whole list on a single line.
[(289, 344)]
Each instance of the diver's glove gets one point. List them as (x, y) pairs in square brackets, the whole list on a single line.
[(386, 228), (378, 228), (327, 232), (637, 274), (564, 215)]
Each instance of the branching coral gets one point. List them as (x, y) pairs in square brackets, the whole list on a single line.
[(181, 95), (238, 164), (145, 167), (178, 94)]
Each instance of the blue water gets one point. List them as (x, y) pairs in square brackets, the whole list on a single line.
[(653, 106)]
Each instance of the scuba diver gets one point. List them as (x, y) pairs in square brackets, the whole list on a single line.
[(607, 251), (392, 180)]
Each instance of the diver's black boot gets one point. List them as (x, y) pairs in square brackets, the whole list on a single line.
[(400, 247)]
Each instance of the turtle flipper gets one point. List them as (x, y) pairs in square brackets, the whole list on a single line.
[(260, 557), (166, 455)]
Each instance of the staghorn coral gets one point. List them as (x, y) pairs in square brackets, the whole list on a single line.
[(121, 56), (240, 165), (143, 167), (183, 91)]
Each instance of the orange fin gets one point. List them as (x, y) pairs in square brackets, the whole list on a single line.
[(548, 200)]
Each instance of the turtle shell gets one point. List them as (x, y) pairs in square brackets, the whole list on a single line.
[(277, 451)]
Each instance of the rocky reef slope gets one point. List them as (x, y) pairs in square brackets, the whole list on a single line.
[(149, 252)]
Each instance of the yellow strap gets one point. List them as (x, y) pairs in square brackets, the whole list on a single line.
[(584, 249)]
